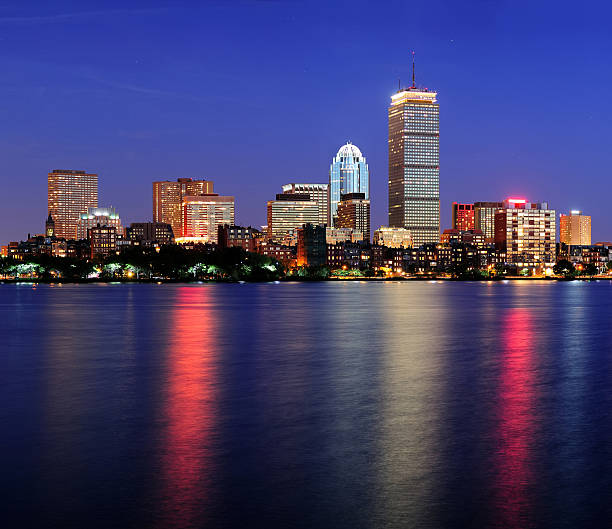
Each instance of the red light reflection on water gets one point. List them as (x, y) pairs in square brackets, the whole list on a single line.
[(189, 408), (516, 421)]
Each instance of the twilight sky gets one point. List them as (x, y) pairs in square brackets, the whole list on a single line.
[(255, 94)]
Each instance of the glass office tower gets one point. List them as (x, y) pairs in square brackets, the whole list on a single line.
[(414, 164), (348, 173)]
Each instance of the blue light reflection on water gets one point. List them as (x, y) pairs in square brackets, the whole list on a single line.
[(329, 405)]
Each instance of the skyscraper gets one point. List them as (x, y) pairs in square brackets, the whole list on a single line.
[(348, 173), (575, 229), (168, 199), (354, 213), (526, 233), (414, 163), (70, 193), (289, 212), (317, 192), (462, 217), (202, 216), (484, 218)]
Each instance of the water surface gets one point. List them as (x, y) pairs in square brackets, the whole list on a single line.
[(355, 405)]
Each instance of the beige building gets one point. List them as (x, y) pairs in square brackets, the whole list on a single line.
[(289, 212), (338, 235), (484, 218), (575, 229), (202, 216), (317, 192), (70, 193), (414, 163), (168, 200), (526, 232), (393, 237)]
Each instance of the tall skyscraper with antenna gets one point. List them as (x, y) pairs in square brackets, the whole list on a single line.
[(414, 162)]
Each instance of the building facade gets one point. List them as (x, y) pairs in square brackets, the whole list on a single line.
[(238, 236), (103, 241), (168, 200), (354, 213), (98, 217), (462, 216), (338, 235), (526, 232), (484, 218), (312, 246), (414, 163), (150, 233), (473, 237), (202, 216), (575, 229), (393, 237), (70, 193), (317, 192), (348, 173), (289, 212)]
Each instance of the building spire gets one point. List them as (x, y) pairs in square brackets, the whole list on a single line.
[(413, 82)]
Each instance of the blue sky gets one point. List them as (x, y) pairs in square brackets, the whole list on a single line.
[(255, 94)]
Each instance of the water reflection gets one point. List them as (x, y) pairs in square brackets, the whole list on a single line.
[(516, 420), (189, 409)]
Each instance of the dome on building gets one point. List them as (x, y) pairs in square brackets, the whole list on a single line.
[(349, 150)]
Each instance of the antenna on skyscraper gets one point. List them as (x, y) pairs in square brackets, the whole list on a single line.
[(413, 83), (399, 85)]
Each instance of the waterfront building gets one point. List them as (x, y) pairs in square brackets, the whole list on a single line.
[(414, 163), (526, 233), (462, 216), (338, 235), (311, 246), (168, 200), (70, 193), (238, 236), (348, 173), (575, 229), (282, 253), (103, 241), (150, 233), (484, 218), (393, 237), (354, 213), (317, 192), (202, 216), (98, 217), (289, 212), (472, 237)]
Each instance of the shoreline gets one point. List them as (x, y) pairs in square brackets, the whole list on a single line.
[(301, 280)]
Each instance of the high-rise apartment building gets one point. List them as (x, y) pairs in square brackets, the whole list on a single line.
[(462, 217), (202, 216), (575, 229), (414, 163), (70, 193), (348, 173), (317, 192), (98, 217), (289, 212), (354, 212), (484, 218), (526, 233), (168, 200)]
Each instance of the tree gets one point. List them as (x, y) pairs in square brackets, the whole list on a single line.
[(564, 268), (590, 270)]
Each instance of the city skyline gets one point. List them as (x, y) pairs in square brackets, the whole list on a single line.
[(517, 156)]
